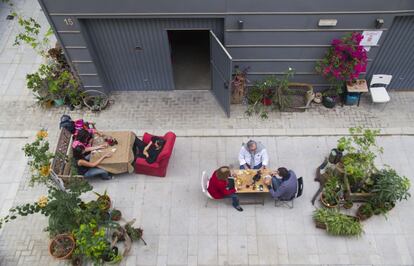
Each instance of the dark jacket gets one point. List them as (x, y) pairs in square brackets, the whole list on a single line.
[(287, 189)]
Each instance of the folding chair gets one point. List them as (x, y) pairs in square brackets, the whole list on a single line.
[(379, 93), (290, 203), (204, 185)]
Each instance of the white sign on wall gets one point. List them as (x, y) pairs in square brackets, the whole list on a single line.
[(371, 38)]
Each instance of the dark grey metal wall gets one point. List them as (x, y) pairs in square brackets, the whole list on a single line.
[(276, 34), (134, 54), (396, 56)]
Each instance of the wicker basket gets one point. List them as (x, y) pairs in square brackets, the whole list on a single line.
[(298, 97)]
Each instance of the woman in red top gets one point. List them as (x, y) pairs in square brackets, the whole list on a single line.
[(219, 188)]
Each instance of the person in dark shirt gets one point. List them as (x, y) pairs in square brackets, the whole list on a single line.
[(148, 151), (283, 184), (85, 167)]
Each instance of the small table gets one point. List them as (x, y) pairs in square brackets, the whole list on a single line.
[(122, 157), (244, 178), (360, 86)]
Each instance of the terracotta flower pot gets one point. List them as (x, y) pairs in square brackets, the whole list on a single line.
[(62, 246), (326, 204), (267, 101)]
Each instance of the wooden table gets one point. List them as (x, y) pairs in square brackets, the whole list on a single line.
[(244, 184), (122, 157), (360, 86)]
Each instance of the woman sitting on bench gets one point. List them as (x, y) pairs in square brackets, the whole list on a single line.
[(84, 138), (88, 169)]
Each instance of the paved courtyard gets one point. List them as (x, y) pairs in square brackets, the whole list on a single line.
[(180, 230)]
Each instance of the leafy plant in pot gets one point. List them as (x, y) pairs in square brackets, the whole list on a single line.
[(330, 192), (95, 100), (388, 189), (365, 211), (116, 215), (360, 150), (62, 246), (337, 223), (259, 97), (344, 61)]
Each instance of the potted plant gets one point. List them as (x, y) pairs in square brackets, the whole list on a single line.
[(95, 100), (259, 97), (238, 85), (365, 211), (344, 61), (348, 204), (104, 201), (360, 149), (62, 246), (319, 217), (388, 189), (91, 242), (337, 223), (116, 215), (330, 192)]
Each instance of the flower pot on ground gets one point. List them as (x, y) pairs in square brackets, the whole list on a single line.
[(337, 223), (296, 97), (331, 203), (365, 211), (267, 101), (388, 189), (116, 215), (104, 201), (62, 246), (330, 192), (328, 102), (348, 204), (238, 86)]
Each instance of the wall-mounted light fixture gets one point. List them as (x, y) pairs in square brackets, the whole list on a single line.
[(240, 23), (379, 22), (327, 22)]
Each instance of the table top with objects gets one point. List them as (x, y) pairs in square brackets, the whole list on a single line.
[(244, 181), (122, 154)]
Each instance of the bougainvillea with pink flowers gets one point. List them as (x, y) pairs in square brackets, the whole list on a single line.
[(344, 61)]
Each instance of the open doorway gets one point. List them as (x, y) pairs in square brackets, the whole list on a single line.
[(190, 58)]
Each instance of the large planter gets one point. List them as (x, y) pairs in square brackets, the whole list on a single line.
[(297, 97), (62, 246), (95, 100)]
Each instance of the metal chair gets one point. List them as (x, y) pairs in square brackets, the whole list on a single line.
[(379, 93), (204, 185), (290, 203)]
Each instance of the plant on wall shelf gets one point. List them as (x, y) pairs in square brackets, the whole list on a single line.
[(344, 61)]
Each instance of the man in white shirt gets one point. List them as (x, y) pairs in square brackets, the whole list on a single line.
[(253, 155)]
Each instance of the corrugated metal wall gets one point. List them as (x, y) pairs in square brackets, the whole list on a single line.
[(396, 56), (134, 54)]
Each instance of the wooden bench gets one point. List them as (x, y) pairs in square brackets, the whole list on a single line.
[(62, 162)]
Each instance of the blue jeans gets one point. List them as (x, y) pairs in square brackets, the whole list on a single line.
[(95, 171), (276, 182), (234, 199), (256, 167)]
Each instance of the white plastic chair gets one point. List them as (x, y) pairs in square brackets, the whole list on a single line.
[(204, 185), (379, 94)]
